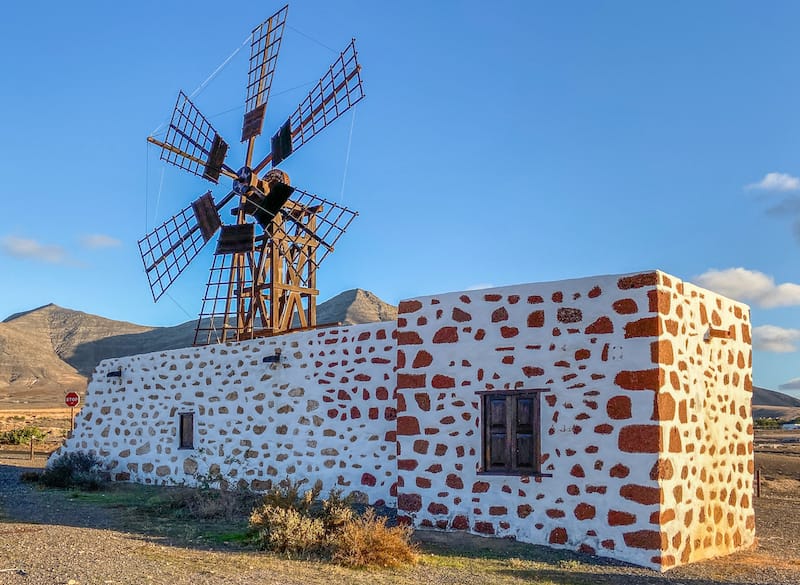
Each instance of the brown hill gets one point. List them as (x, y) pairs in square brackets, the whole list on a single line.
[(772, 404), (49, 351)]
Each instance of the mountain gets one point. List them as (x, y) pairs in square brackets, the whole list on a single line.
[(772, 404), (48, 351)]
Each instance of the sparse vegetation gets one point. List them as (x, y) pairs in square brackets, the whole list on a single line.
[(76, 469), (22, 436), (293, 521)]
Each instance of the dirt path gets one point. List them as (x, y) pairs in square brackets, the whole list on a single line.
[(48, 538)]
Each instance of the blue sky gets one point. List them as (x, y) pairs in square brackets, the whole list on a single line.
[(521, 142)]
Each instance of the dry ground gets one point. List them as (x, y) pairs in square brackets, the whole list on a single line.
[(54, 536)]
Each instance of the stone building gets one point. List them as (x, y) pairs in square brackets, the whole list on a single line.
[(609, 415)]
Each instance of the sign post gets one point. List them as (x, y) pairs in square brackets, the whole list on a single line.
[(72, 400)]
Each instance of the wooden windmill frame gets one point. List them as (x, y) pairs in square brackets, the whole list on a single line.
[(264, 273)]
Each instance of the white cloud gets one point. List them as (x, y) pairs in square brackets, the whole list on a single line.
[(480, 286), (25, 248), (751, 286), (793, 384), (776, 182), (775, 339), (95, 241)]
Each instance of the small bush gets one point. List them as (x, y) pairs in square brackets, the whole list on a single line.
[(366, 541), (286, 530), (74, 469), (287, 495), (30, 476), (22, 436)]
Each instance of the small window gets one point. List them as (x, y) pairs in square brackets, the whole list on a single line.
[(511, 432), (187, 430)]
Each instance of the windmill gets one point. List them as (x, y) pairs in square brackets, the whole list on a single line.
[(263, 277)]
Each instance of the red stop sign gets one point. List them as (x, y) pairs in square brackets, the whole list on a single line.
[(72, 399)]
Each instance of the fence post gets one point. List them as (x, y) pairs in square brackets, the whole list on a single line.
[(31, 457), (758, 482)]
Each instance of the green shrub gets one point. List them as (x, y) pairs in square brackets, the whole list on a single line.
[(74, 469), (22, 436), (286, 530), (366, 541)]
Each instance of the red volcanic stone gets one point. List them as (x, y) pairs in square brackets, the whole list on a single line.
[(409, 502), (619, 408), (555, 513), (408, 307), (407, 425), (368, 479), (441, 449), (618, 518), (364, 336), (484, 528), (437, 509), (647, 539), (625, 306), (557, 297), (498, 511), (641, 494), (573, 490), (619, 470), (423, 482), (558, 536), (608, 544), (480, 487), (569, 315), (408, 338), (480, 334), (343, 395), (333, 413), (439, 381), (423, 401), (638, 379), (355, 412), (595, 292), (513, 299), (447, 420), (407, 464), (524, 510), (582, 354), (455, 482), (640, 439), (531, 371), (460, 523), (646, 327), (550, 399), (584, 511), (422, 359), (460, 316), (492, 297), (660, 302), (389, 413), (411, 380), (446, 335), (381, 393), (499, 315), (508, 332), (421, 446), (374, 413), (601, 325), (536, 319), (586, 549), (637, 281), (465, 299), (535, 300), (362, 377), (577, 471), (604, 429)]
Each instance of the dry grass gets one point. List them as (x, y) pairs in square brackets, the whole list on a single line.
[(366, 541)]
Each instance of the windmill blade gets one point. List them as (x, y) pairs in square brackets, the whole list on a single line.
[(338, 90), (168, 249), (192, 143), (264, 47), (329, 219)]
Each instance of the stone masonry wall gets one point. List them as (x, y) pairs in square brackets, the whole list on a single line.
[(646, 429), (594, 344), (326, 411)]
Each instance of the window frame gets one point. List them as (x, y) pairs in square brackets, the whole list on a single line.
[(512, 398), (182, 444)]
